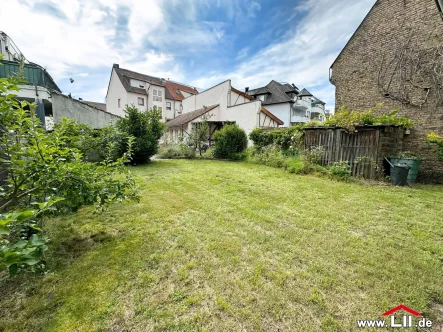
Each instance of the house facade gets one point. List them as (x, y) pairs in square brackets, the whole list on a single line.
[(127, 87), (395, 57), (220, 105), (41, 89), (289, 103)]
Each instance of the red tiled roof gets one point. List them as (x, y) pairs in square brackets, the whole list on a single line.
[(173, 90), (272, 116)]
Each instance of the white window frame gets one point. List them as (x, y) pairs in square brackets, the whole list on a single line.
[(142, 100), (168, 106), (157, 95), (119, 103)]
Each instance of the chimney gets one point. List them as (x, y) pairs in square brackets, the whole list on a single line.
[(247, 89), (80, 99), (115, 65)]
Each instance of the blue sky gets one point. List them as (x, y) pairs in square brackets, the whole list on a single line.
[(198, 42)]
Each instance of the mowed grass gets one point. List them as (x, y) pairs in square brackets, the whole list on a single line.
[(222, 246)]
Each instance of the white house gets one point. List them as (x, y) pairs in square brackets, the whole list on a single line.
[(220, 105), (289, 104), (127, 87)]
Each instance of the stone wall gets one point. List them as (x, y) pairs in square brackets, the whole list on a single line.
[(391, 25), (63, 106)]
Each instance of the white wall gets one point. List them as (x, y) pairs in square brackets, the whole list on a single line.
[(215, 95), (281, 111), (236, 99), (116, 91), (245, 115)]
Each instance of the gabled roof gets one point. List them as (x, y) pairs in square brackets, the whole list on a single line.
[(173, 90), (125, 75), (183, 119), (272, 116), (276, 93), (305, 93)]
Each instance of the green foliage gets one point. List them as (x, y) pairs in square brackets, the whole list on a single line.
[(284, 138), (348, 119), (314, 155), (230, 142), (269, 155), (198, 138), (22, 244), (436, 142), (147, 129), (42, 165), (407, 155), (340, 170)]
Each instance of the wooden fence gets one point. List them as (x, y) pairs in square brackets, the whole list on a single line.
[(364, 149)]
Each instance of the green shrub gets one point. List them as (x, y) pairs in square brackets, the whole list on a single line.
[(436, 142), (348, 119), (284, 138), (314, 155), (168, 151), (48, 168), (230, 141), (269, 155), (147, 129), (340, 170)]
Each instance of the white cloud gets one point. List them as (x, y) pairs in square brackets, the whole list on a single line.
[(306, 53)]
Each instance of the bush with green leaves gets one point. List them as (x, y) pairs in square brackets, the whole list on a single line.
[(230, 142), (345, 118), (436, 142), (340, 170), (284, 138), (40, 166), (146, 128)]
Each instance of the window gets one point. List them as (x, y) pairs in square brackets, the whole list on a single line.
[(118, 102), (137, 84), (141, 101), (261, 97), (168, 106), (157, 95), (308, 114)]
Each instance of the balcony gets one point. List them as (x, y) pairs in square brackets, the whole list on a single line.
[(301, 105), (299, 119), (34, 74)]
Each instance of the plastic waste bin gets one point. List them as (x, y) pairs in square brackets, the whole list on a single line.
[(399, 174)]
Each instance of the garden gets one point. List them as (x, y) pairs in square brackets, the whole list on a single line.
[(94, 236)]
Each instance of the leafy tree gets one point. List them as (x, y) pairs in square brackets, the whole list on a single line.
[(198, 138), (230, 142), (47, 171), (146, 128)]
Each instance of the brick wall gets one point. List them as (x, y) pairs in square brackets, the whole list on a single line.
[(389, 25)]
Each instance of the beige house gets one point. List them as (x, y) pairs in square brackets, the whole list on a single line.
[(127, 87), (220, 105)]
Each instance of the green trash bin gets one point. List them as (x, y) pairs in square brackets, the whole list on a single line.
[(413, 172), (399, 174)]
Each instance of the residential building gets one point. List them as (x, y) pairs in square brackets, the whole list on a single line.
[(289, 103), (220, 105), (395, 58), (41, 89), (127, 87)]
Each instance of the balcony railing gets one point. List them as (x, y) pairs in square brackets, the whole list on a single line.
[(302, 104), (299, 119), (33, 74)]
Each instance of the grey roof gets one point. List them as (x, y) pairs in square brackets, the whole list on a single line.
[(183, 119), (305, 93), (276, 92), (125, 76)]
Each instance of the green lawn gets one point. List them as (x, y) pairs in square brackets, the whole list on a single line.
[(235, 246)]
